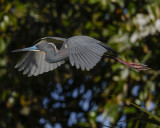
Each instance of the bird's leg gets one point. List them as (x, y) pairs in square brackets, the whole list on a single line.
[(134, 65)]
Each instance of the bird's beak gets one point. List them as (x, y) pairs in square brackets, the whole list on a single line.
[(33, 48)]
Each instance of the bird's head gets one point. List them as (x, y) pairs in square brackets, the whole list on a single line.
[(42, 47)]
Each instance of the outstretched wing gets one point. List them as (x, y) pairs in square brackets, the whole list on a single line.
[(34, 63), (85, 52)]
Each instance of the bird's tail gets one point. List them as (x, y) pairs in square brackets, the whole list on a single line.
[(133, 65), (110, 50)]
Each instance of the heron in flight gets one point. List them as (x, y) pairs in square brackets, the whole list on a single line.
[(82, 51)]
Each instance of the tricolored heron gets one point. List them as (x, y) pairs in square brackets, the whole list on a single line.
[(82, 51)]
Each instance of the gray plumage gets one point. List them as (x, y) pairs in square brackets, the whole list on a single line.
[(34, 63), (83, 52)]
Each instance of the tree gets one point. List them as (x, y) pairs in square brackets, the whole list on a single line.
[(74, 98)]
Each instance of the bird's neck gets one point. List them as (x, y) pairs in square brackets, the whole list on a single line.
[(55, 57)]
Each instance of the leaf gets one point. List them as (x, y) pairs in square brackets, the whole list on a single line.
[(93, 1), (147, 112), (143, 119)]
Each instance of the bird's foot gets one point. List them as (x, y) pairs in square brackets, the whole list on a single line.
[(134, 65)]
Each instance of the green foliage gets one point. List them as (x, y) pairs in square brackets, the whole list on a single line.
[(132, 28), (156, 118)]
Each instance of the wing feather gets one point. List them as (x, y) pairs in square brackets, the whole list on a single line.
[(50, 67), (77, 63), (91, 56), (55, 65), (85, 52), (82, 65), (95, 57), (86, 60), (22, 61), (28, 66), (34, 63), (71, 59), (47, 67), (38, 67), (42, 66), (33, 68)]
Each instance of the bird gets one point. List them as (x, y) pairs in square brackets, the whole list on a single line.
[(83, 52)]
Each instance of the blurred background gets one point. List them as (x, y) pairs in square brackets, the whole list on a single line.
[(67, 97)]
